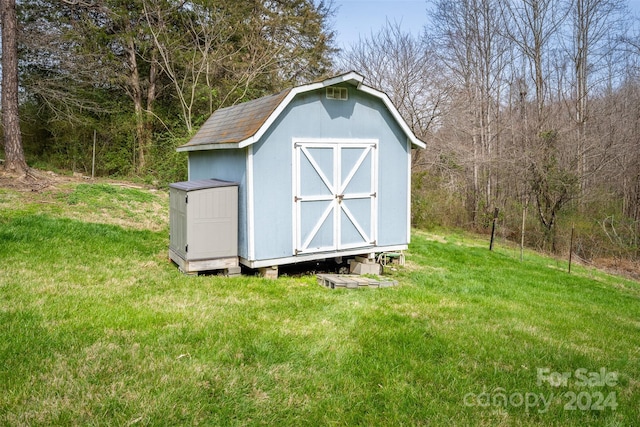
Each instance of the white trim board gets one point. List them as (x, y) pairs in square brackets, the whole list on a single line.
[(409, 192), (251, 247)]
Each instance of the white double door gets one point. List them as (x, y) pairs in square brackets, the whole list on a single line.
[(335, 195)]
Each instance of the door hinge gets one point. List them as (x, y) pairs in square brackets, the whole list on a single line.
[(186, 248), (186, 199)]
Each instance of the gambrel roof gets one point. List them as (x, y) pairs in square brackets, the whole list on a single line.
[(241, 125)]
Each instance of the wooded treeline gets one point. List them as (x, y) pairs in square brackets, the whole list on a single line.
[(528, 106), (524, 104), (144, 74)]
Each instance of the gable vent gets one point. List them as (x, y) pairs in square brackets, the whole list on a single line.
[(341, 93)]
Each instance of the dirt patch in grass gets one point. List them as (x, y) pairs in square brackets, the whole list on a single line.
[(37, 181), (23, 182)]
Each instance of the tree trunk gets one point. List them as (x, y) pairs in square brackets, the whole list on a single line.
[(151, 98), (580, 63), (14, 155), (142, 136)]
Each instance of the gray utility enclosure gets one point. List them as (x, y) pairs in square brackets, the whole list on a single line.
[(203, 217), (323, 171)]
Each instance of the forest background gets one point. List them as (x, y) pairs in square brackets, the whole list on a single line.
[(530, 107)]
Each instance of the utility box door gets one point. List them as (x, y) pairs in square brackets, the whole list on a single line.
[(204, 219), (178, 221)]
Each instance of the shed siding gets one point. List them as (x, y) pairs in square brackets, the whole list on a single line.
[(228, 165), (311, 115), (393, 202), (272, 172)]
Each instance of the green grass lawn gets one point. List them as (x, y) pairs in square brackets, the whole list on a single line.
[(98, 328)]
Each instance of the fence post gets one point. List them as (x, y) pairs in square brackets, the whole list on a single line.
[(524, 223), (573, 226), (93, 162), (493, 228)]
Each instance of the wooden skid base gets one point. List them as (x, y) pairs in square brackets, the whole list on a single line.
[(230, 265), (352, 281)]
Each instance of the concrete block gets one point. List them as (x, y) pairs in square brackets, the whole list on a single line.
[(365, 268), (269, 272)]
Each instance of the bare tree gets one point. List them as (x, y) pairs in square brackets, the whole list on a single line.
[(535, 23), (592, 24), (14, 155), (406, 68), (472, 47), (188, 45)]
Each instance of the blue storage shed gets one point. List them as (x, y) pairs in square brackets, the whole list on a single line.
[(323, 171)]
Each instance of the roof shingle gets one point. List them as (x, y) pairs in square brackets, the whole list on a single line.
[(237, 123)]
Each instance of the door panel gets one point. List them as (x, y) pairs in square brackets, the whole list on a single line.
[(317, 167), (317, 225), (356, 172), (356, 223)]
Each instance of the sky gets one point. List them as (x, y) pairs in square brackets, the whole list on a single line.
[(361, 18), (356, 18)]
